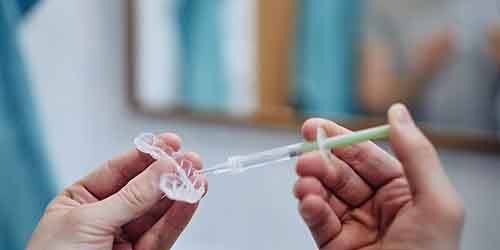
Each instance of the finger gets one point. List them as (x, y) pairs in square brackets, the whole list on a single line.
[(373, 164), (195, 159), (359, 230), (198, 165), (115, 173), (135, 198), (136, 228), (337, 176), (354, 235), (389, 200), (416, 153), (166, 231), (194, 163), (311, 186), (322, 222)]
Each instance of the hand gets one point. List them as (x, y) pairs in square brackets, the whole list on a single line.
[(118, 206), (363, 198), (432, 55)]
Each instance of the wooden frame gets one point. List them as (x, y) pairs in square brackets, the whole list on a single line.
[(273, 75), (274, 45)]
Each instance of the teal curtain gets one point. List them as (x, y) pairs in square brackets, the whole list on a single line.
[(25, 188), (326, 55), (203, 85)]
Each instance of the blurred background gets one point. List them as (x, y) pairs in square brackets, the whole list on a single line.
[(79, 79)]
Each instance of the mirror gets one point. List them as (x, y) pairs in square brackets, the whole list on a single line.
[(441, 57), (279, 62)]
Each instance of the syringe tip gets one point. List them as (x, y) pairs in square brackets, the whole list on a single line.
[(219, 168)]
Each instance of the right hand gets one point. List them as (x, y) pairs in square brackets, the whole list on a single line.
[(363, 198), (432, 54)]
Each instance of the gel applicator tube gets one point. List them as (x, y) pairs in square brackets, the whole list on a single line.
[(238, 164)]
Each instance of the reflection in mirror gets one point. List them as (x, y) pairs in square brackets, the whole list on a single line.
[(198, 55), (440, 57), (325, 54), (277, 62)]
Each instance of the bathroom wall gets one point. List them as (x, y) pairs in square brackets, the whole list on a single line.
[(75, 52)]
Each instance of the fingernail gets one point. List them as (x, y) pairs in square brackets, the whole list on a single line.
[(403, 117)]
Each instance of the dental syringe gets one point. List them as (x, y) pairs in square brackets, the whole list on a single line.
[(237, 164)]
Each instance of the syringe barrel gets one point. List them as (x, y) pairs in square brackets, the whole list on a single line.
[(265, 157)]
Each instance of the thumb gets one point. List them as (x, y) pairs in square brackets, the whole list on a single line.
[(135, 198), (417, 155)]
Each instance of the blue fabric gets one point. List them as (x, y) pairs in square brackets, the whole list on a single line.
[(24, 6), (325, 57), (203, 85), (25, 188)]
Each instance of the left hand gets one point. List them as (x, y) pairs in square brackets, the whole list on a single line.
[(118, 206)]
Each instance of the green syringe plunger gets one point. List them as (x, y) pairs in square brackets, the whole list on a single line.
[(237, 164)]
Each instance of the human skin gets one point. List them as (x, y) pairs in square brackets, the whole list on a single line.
[(118, 206), (364, 198), (381, 85)]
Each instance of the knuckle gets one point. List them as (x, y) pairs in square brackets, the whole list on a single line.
[(76, 217), (313, 120), (303, 184), (310, 124), (312, 164), (303, 164), (171, 139), (315, 219), (453, 210), (160, 167), (194, 155), (340, 181), (457, 211), (298, 189), (132, 197), (354, 155), (52, 206), (307, 180), (195, 158)]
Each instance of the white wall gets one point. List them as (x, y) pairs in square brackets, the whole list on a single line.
[(75, 57), (75, 54)]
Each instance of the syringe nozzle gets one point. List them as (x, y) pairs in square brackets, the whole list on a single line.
[(220, 168)]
